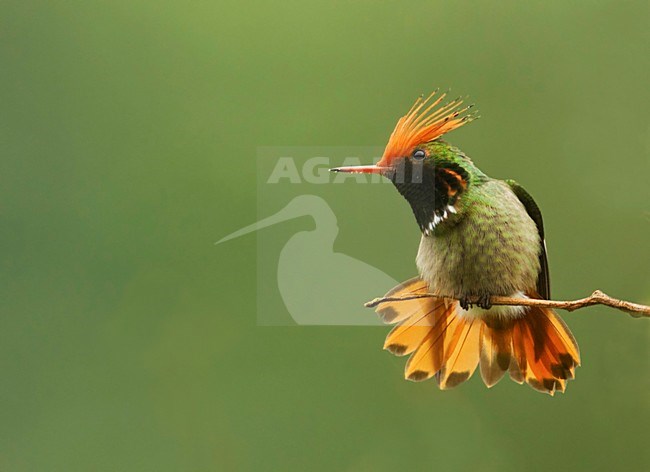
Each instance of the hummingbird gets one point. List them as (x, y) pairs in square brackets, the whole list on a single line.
[(481, 237)]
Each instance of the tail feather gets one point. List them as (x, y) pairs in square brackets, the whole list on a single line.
[(496, 349), (428, 359), (409, 335), (536, 348), (515, 372), (562, 336), (547, 351), (442, 343), (463, 355), (395, 312), (538, 358), (519, 351)]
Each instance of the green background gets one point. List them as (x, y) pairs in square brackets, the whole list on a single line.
[(128, 137)]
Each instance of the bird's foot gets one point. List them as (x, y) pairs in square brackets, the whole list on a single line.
[(484, 301), (464, 302)]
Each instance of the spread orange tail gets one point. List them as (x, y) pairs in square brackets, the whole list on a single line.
[(537, 348)]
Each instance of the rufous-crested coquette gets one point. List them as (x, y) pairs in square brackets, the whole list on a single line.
[(481, 237)]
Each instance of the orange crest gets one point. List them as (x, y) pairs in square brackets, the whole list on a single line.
[(424, 123)]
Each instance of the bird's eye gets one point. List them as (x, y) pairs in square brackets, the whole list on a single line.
[(419, 154)]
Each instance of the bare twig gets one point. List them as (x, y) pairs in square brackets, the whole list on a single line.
[(596, 298)]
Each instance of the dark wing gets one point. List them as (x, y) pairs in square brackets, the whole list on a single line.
[(543, 281)]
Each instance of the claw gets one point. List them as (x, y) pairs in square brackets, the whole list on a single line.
[(484, 301), (464, 302)]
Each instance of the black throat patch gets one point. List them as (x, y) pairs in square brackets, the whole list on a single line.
[(432, 191)]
